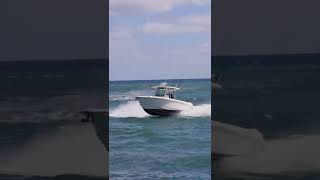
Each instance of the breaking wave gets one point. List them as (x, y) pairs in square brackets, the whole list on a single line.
[(129, 109), (202, 110)]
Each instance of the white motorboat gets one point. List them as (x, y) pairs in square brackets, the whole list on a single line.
[(164, 102)]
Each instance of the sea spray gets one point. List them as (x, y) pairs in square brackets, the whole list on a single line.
[(129, 95), (133, 109), (202, 110), (129, 109)]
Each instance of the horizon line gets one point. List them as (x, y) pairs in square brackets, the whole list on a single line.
[(159, 79)]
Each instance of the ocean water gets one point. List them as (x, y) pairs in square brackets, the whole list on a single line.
[(41, 133), (150, 147), (278, 98)]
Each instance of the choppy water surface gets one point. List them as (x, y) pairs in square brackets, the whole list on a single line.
[(149, 147)]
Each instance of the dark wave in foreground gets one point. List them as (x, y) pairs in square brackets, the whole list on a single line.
[(71, 149), (269, 107)]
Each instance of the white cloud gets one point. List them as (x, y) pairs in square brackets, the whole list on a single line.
[(131, 60), (186, 24), (200, 20), (150, 6), (194, 50), (122, 33), (182, 25), (170, 29)]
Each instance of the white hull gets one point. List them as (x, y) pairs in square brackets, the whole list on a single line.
[(163, 106)]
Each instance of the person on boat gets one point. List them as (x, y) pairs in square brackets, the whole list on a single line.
[(171, 95)]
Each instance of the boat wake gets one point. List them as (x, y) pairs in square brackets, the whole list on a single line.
[(202, 110), (134, 110), (129, 109), (127, 96)]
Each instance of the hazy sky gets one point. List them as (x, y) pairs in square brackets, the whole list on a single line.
[(159, 39), (57, 29), (265, 27)]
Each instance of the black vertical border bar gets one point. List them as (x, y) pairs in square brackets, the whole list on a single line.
[(107, 83)]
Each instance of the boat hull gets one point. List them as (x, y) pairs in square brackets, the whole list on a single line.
[(161, 112), (163, 106)]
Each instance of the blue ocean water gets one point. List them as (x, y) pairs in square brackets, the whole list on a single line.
[(150, 147)]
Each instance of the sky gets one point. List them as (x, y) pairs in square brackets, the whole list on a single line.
[(58, 29), (244, 27), (159, 39), (156, 32)]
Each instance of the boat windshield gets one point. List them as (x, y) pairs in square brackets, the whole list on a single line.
[(165, 92), (160, 92)]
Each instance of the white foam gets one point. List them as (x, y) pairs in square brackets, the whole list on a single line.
[(129, 95), (202, 110), (129, 109), (133, 109), (120, 98)]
